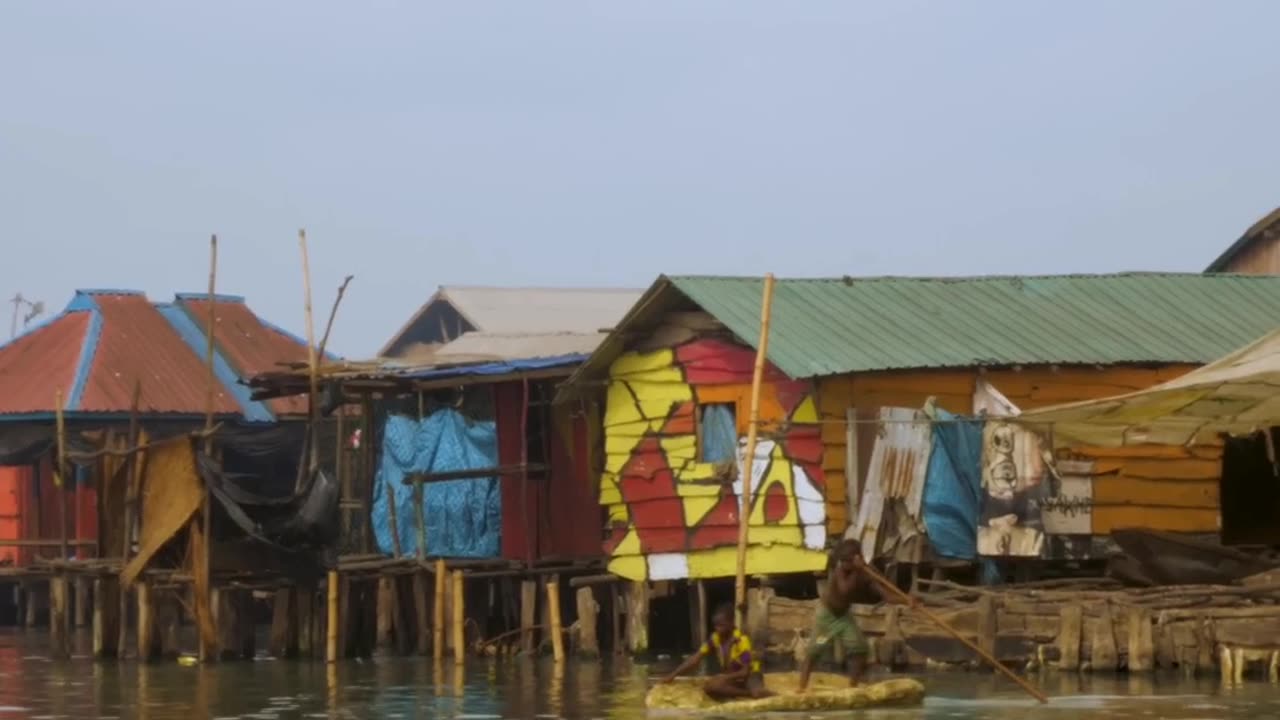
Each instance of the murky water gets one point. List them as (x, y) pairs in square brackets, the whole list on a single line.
[(33, 687)]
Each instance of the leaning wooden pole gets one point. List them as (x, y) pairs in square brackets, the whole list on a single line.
[(753, 430), (313, 409), (946, 627)]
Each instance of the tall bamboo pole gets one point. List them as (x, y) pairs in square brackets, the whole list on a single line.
[(331, 626), (202, 585), (60, 474), (132, 463), (437, 612), (753, 429)]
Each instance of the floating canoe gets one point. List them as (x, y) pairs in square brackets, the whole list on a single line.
[(826, 692)]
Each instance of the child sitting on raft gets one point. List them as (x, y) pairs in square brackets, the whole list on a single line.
[(739, 675)]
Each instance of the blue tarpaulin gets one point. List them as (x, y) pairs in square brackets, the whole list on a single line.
[(953, 486), (463, 517)]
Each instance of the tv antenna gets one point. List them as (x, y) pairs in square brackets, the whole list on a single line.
[(34, 309)]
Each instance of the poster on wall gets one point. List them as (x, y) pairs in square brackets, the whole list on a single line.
[(1014, 483)]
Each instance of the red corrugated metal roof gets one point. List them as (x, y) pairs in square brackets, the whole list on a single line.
[(36, 365), (108, 340), (137, 343), (250, 345)]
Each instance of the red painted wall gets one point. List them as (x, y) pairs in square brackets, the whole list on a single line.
[(39, 516), (11, 479), (555, 515)]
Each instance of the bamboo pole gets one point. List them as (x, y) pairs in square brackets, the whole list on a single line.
[(333, 313), (132, 462), (312, 409), (61, 472), (946, 627), (553, 607), (753, 429), (331, 629), (459, 612), (202, 585), (437, 613)]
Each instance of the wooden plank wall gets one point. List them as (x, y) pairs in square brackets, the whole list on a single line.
[(1161, 488)]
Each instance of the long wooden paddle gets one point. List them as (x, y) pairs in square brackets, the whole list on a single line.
[(893, 589)]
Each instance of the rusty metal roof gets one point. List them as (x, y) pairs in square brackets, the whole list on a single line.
[(251, 345), (105, 342)]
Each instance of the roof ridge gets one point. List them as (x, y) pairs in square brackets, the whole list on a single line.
[(1209, 277), (553, 288)]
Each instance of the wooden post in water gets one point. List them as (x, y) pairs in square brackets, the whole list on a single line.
[(437, 612), (59, 627), (106, 620), (332, 620), (146, 621), (588, 610), (459, 614), (753, 429), (557, 631), (528, 615)]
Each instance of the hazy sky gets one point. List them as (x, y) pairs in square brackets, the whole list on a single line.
[(603, 143)]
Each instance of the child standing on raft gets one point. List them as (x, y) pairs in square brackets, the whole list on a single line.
[(835, 617), (739, 675)]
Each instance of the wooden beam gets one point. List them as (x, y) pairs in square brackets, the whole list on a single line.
[(502, 471)]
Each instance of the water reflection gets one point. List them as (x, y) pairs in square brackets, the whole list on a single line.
[(33, 687)]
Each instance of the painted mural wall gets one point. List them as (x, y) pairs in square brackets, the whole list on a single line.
[(675, 426)]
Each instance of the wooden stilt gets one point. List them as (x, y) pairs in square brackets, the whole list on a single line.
[(282, 617), (638, 618), (422, 611), (557, 629), (437, 613), (459, 614), (615, 619), (1070, 628), (244, 614), (528, 613), (145, 622), (333, 622), (386, 612), (698, 612), (1105, 656), (168, 622), (987, 624), (1141, 647), (305, 598), (33, 597), (59, 628), (82, 606), (588, 611), (106, 619)]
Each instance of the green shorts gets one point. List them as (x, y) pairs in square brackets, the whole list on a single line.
[(828, 627)]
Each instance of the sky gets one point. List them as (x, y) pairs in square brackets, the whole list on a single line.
[(604, 143)]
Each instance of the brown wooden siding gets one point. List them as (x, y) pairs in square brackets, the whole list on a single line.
[(1163, 488)]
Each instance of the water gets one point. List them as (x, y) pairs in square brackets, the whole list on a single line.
[(33, 687)]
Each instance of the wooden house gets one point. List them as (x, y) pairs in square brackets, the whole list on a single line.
[(853, 363), (1257, 252)]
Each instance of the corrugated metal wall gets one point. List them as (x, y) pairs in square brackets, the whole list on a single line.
[(1175, 489), (11, 481)]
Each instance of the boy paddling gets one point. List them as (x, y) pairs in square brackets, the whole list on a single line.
[(739, 675), (835, 619)]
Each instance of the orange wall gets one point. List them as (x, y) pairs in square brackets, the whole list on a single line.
[(11, 479), (1154, 487)]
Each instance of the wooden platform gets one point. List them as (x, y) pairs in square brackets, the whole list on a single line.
[(1093, 626)]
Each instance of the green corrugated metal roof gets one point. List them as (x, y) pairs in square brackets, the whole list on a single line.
[(834, 326)]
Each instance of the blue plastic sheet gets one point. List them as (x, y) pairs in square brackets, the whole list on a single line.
[(464, 517), (953, 486), (719, 434)]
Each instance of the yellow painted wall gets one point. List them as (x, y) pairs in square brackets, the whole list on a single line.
[(1161, 488)]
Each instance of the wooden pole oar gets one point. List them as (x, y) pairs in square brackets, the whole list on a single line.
[(748, 461), (893, 590)]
